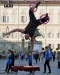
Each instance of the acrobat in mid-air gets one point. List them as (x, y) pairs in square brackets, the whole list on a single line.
[(29, 30)]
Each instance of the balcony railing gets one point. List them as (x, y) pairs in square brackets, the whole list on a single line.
[(28, 1)]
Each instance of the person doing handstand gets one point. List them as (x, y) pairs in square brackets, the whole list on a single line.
[(29, 30)]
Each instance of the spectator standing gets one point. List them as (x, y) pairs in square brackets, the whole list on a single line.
[(41, 56), (47, 59), (36, 56), (54, 53), (30, 61), (9, 62), (13, 59)]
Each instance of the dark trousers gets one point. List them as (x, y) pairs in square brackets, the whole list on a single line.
[(53, 58), (48, 65), (30, 64), (12, 65), (36, 60), (8, 67)]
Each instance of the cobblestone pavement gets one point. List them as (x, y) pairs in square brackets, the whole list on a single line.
[(54, 67)]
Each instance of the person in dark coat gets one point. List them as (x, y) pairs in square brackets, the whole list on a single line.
[(36, 56)]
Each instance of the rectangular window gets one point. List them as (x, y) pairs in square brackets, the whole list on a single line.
[(49, 35), (11, 35), (5, 18), (58, 35), (15, 35), (21, 35), (23, 19), (59, 46)]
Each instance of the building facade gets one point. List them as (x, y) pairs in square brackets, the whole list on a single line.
[(18, 17)]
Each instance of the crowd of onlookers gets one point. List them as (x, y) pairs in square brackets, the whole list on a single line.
[(38, 56), (46, 55)]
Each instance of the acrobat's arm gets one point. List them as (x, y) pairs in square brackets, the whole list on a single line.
[(32, 43)]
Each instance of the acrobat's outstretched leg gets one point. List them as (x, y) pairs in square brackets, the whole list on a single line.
[(44, 19), (14, 30), (36, 6), (31, 11)]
